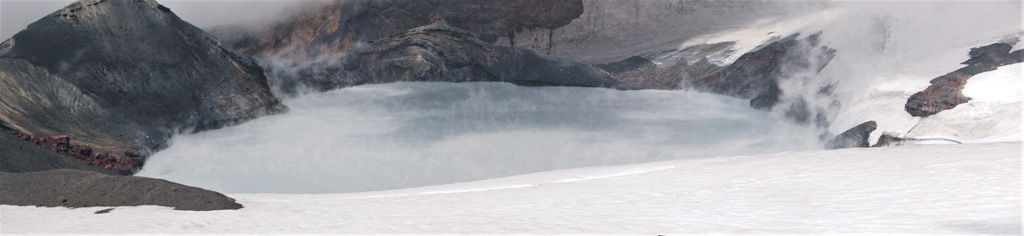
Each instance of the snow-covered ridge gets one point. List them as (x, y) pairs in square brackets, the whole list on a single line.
[(887, 51), (946, 189)]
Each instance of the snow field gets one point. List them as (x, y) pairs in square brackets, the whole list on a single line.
[(937, 189)]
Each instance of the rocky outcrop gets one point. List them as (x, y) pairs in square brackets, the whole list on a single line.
[(120, 75), (77, 188), (755, 75), (441, 52), (854, 137), (335, 27), (945, 92)]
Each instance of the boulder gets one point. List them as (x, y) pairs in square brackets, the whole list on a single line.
[(77, 188), (854, 137), (120, 75)]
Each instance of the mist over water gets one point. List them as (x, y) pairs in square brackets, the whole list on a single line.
[(403, 135)]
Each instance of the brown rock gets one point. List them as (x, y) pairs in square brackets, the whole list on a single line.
[(946, 91)]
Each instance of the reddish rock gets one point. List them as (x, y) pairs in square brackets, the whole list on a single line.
[(946, 91), (942, 95), (62, 144)]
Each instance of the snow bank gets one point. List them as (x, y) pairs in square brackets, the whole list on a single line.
[(940, 189)]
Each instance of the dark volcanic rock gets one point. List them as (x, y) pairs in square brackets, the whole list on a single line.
[(335, 27), (440, 52), (893, 139), (18, 156), (889, 139), (76, 188), (756, 75), (854, 137), (122, 163), (946, 91), (122, 75)]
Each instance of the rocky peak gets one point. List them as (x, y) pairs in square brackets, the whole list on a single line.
[(124, 74)]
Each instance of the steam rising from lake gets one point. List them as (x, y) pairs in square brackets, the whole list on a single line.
[(404, 135)]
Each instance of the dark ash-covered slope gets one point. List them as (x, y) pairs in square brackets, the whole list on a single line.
[(18, 156), (124, 74), (76, 188)]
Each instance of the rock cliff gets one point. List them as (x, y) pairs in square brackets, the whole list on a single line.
[(441, 52), (336, 27)]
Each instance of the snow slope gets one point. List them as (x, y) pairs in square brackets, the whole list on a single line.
[(939, 189), (887, 51)]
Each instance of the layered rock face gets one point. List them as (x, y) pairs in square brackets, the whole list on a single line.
[(119, 75), (335, 27), (306, 52), (945, 91), (441, 52)]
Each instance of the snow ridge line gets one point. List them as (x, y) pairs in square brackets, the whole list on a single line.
[(570, 180), (625, 173)]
